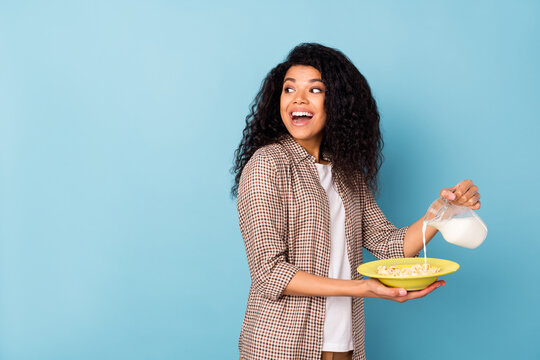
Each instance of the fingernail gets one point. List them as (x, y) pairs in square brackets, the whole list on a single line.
[(402, 292), (452, 196)]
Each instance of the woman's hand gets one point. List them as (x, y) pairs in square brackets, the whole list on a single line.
[(306, 284), (465, 194), (374, 288)]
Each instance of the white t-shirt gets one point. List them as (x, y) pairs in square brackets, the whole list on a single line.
[(338, 319)]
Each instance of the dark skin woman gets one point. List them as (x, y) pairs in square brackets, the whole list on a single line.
[(321, 100)]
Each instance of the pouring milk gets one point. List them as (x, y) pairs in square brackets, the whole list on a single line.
[(458, 225)]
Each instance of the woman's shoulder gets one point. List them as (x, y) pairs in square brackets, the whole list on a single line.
[(269, 163)]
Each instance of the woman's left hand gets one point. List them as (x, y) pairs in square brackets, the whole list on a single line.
[(465, 194)]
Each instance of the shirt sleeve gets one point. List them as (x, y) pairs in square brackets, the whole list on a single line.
[(263, 227), (380, 236)]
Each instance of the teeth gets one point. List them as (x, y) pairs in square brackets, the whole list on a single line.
[(301, 113)]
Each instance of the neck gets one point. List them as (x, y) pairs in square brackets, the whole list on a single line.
[(313, 147)]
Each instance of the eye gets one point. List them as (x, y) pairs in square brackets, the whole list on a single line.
[(316, 90), (287, 90)]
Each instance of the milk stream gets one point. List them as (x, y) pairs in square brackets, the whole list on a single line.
[(424, 226)]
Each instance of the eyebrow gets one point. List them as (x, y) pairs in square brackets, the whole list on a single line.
[(311, 81)]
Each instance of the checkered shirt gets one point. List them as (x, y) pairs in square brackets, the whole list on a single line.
[(285, 222)]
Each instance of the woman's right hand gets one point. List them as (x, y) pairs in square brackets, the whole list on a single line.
[(374, 288)]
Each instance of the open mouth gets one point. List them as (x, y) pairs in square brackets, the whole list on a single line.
[(301, 117)]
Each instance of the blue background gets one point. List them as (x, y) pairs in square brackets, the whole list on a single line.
[(118, 122)]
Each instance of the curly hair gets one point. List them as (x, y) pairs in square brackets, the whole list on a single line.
[(351, 137)]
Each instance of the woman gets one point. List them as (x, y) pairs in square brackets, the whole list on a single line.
[(306, 169)]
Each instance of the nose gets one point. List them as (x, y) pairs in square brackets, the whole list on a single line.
[(300, 98)]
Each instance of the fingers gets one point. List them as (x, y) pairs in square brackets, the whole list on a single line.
[(465, 194), (448, 193), (419, 293), (469, 198), (461, 189), (472, 200), (389, 292), (399, 294)]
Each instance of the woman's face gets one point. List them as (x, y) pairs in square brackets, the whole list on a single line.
[(302, 105)]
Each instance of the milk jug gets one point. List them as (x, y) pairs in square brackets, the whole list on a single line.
[(458, 225)]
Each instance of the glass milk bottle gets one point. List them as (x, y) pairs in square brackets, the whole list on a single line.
[(458, 225)]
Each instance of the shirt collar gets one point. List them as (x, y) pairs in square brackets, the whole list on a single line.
[(299, 154)]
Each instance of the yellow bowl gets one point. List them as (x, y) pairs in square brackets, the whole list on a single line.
[(408, 282)]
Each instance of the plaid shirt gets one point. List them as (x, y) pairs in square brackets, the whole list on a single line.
[(285, 222)]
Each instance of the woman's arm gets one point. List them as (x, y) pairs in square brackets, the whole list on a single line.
[(263, 226), (412, 242), (305, 284)]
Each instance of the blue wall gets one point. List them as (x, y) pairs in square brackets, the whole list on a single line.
[(118, 122)]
